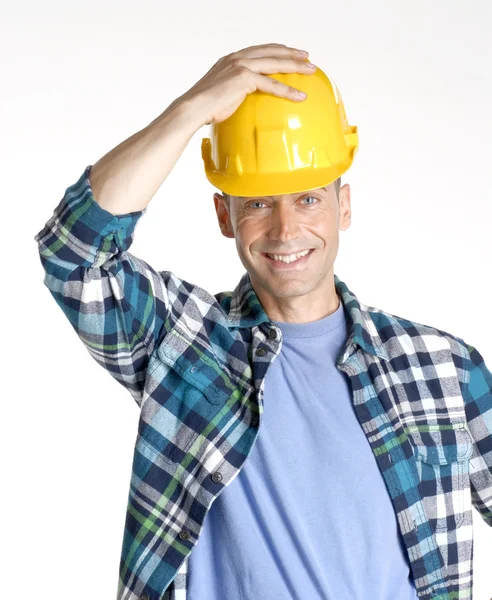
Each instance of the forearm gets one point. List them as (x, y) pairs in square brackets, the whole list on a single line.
[(126, 178)]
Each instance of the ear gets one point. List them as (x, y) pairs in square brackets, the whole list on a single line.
[(223, 216), (345, 209)]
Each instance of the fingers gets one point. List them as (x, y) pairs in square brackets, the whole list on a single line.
[(277, 88), (276, 50), (269, 65), (257, 69)]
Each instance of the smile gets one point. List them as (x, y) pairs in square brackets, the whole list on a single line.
[(281, 265)]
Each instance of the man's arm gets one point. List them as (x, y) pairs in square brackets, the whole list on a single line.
[(116, 302), (125, 179), (478, 406)]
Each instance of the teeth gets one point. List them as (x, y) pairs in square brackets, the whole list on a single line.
[(290, 258)]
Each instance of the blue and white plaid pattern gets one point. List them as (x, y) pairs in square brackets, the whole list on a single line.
[(195, 364)]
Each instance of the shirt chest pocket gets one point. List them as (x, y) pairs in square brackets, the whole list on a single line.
[(441, 457), (180, 402)]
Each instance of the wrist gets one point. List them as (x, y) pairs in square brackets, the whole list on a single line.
[(189, 110)]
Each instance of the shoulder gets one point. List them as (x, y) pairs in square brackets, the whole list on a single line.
[(415, 336)]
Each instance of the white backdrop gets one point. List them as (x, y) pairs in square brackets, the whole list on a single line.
[(78, 79)]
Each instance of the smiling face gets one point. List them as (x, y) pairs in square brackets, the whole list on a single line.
[(286, 224)]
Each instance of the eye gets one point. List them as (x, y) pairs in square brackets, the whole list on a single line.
[(254, 202), (305, 198), (311, 198)]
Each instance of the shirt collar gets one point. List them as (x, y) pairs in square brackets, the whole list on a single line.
[(246, 311)]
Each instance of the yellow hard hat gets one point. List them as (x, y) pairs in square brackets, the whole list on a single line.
[(272, 145)]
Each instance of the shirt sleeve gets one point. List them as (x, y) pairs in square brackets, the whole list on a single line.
[(116, 302), (478, 406)]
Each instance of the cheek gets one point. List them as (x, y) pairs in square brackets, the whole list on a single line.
[(247, 233), (326, 225)]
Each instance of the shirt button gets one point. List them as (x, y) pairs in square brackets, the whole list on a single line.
[(217, 476), (145, 597), (184, 535), (272, 334), (261, 352)]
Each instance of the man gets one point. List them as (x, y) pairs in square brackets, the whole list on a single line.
[(376, 431)]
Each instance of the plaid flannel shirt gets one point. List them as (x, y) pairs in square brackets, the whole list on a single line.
[(195, 364)]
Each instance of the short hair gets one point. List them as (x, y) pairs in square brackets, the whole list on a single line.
[(338, 183)]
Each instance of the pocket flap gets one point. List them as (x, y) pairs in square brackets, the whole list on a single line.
[(194, 365), (440, 444)]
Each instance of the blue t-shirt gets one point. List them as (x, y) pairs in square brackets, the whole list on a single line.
[(292, 524)]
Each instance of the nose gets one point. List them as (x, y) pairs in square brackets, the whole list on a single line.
[(284, 225)]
